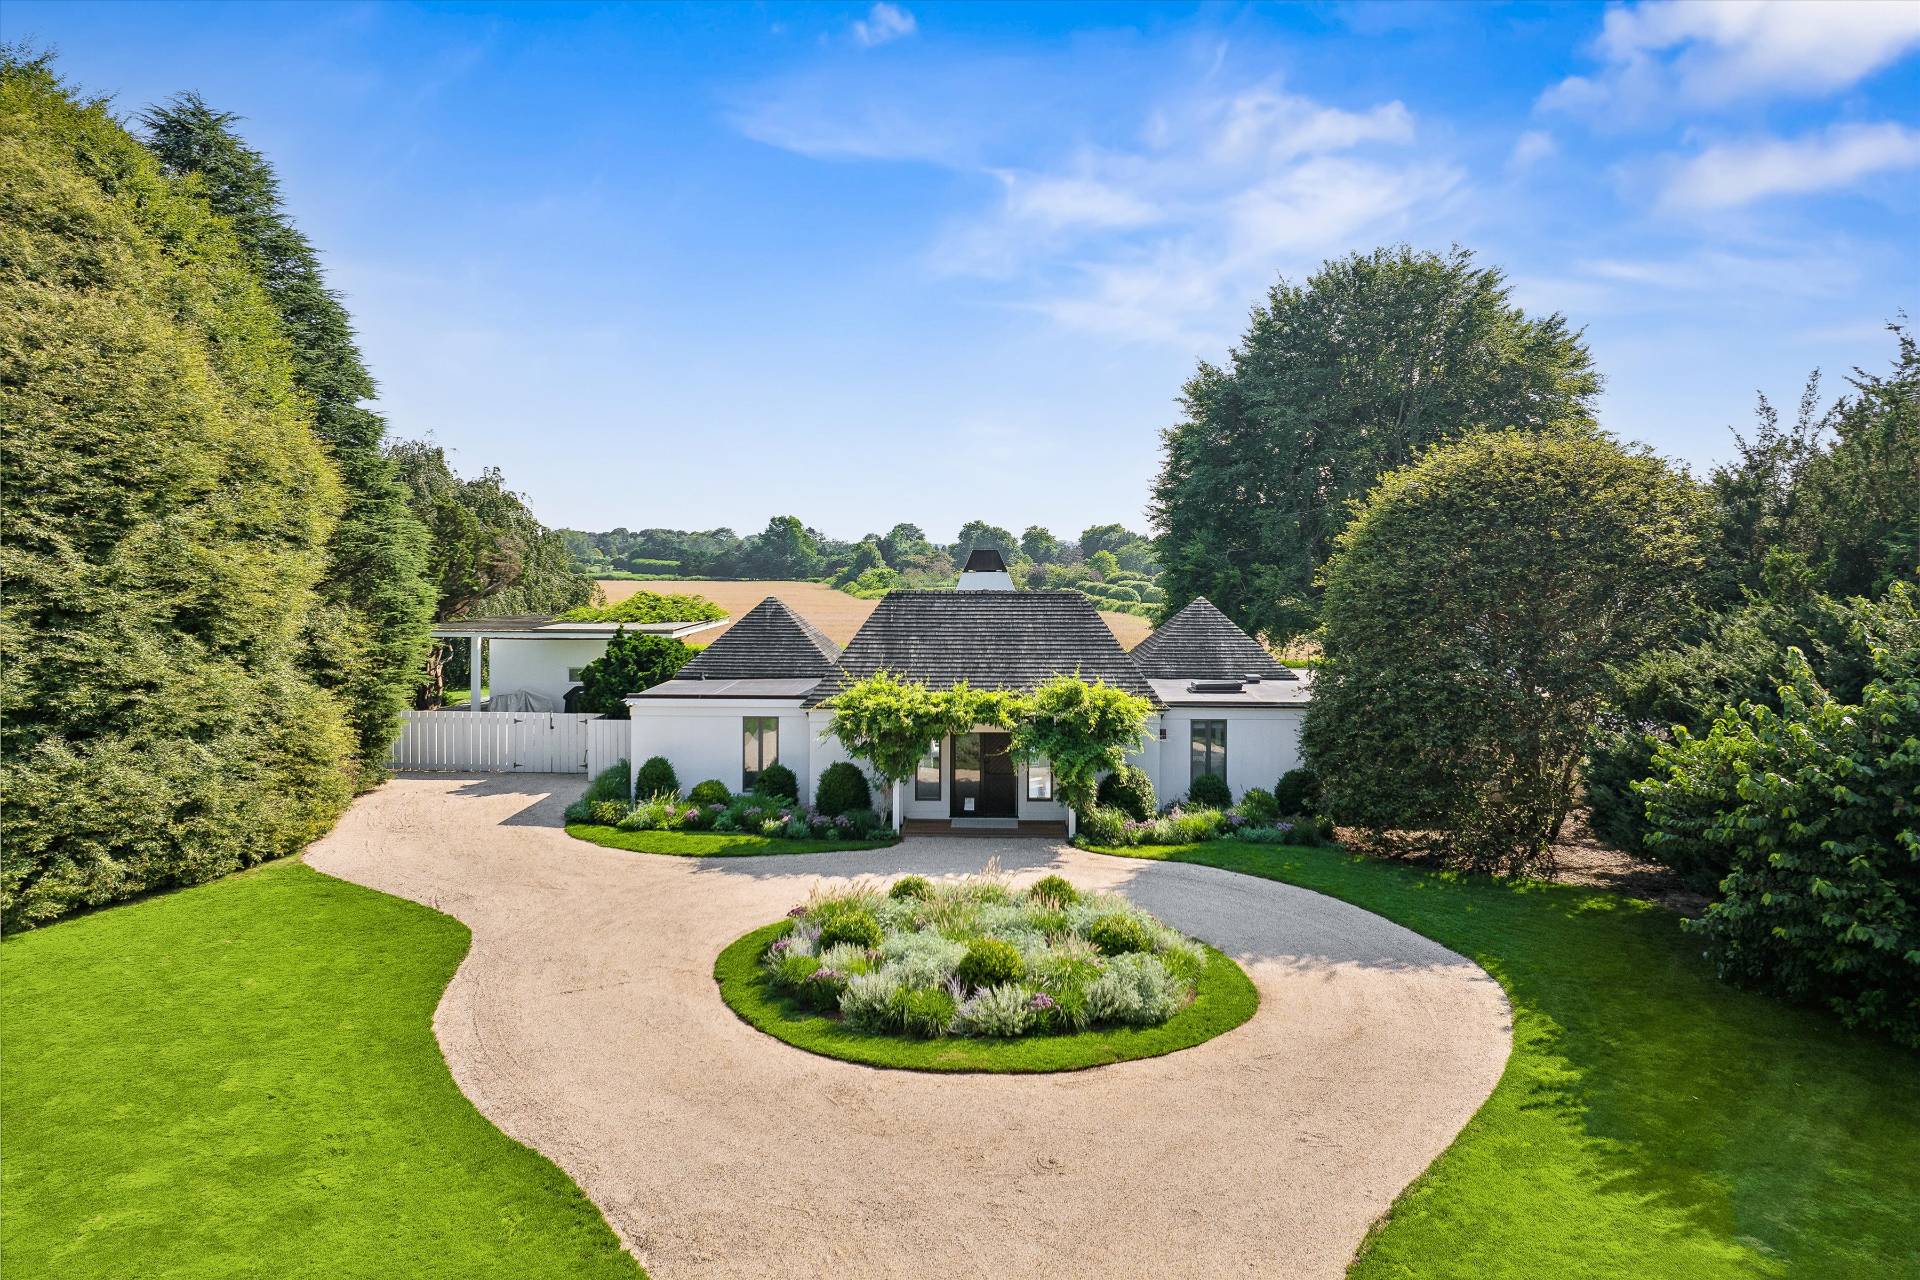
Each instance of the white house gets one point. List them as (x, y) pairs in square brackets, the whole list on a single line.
[(1221, 703), (532, 663)]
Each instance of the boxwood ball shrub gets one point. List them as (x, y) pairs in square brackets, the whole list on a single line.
[(1129, 790), (842, 788), (990, 962), (1298, 791), (710, 791), (910, 887), (1211, 791), (777, 780), (656, 777), (976, 958)]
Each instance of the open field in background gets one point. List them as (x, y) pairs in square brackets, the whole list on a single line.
[(834, 612)]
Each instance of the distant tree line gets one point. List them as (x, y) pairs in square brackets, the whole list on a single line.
[(903, 556), (220, 574)]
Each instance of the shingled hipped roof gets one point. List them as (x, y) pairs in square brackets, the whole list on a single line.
[(1202, 643), (770, 641), (990, 639)]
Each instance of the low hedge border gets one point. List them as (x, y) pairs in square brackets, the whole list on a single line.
[(1225, 997), (711, 844)]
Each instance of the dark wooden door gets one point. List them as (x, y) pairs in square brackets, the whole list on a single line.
[(985, 781)]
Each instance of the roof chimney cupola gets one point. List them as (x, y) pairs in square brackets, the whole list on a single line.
[(985, 571)]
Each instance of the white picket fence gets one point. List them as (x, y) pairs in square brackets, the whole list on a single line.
[(509, 742)]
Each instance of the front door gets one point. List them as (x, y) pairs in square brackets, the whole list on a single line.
[(985, 783)]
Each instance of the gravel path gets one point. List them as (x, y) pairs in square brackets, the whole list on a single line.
[(586, 1023)]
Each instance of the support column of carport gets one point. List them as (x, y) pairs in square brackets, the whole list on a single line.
[(473, 671)]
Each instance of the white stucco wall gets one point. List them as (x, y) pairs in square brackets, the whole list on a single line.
[(539, 666), (704, 739), (1262, 744)]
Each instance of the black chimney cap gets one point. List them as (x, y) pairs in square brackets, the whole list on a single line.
[(985, 560)]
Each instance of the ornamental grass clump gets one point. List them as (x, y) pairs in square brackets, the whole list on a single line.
[(978, 957)]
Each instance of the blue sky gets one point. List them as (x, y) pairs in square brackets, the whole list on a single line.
[(867, 262)]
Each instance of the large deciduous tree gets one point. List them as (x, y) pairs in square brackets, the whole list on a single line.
[(368, 639), (167, 515), (1473, 609), (1378, 356)]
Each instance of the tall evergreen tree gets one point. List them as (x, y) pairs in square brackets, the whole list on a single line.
[(1336, 383), (369, 636), (165, 517)]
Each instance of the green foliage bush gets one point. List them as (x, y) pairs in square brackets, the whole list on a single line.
[(842, 788), (989, 962), (1054, 889), (710, 791), (922, 1012), (1582, 557), (1105, 827), (856, 927), (1297, 792), (777, 780), (167, 517), (1210, 789), (634, 661), (1117, 935), (649, 606), (916, 887), (1815, 805), (1258, 807), (1129, 790), (656, 777), (608, 785)]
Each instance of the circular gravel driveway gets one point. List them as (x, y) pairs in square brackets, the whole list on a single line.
[(585, 1022)]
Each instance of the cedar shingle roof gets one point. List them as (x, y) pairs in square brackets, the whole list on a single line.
[(769, 642), (990, 639), (1202, 643)]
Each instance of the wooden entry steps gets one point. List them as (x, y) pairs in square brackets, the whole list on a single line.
[(1026, 830)]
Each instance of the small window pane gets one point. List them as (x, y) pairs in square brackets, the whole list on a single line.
[(926, 780), (1040, 780), (1208, 753), (759, 747)]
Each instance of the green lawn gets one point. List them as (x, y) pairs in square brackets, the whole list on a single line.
[(1223, 999), (241, 1079), (1651, 1121), (709, 844)]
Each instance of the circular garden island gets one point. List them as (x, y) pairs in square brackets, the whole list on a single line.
[(976, 976)]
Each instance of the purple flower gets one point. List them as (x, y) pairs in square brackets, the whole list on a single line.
[(796, 912), (824, 975), (780, 945), (1042, 1002)]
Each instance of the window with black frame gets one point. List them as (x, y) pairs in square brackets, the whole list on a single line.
[(760, 747), (1039, 779), (1209, 753), (926, 779)]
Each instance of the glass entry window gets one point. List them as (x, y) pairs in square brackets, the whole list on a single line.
[(985, 781), (760, 737), (1209, 749), (926, 779)]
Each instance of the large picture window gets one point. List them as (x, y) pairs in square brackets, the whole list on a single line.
[(1209, 749), (760, 747), (1039, 779), (926, 779)]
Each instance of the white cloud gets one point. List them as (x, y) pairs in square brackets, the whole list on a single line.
[(884, 22), (1530, 148), (1712, 52), (1733, 174)]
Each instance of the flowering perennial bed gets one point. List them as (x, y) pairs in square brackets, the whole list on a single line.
[(977, 976)]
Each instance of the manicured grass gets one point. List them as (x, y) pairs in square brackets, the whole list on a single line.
[(241, 1080), (710, 844), (1652, 1121), (1224, 998)]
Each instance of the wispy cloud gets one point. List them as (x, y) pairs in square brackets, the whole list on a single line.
[(1738, 173), (1529, 149), (884, 22), (1663, 53)]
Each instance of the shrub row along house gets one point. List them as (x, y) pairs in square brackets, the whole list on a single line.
[(1221, 704)]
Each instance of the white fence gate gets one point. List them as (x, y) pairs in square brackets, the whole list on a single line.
[(508, 742)]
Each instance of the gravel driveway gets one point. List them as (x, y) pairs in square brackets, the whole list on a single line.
[(586, 1023)]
